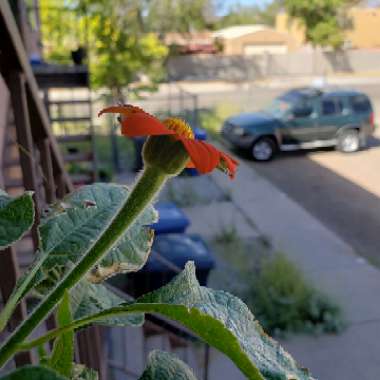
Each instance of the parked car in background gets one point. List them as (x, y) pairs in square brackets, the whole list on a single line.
[(304, 118)]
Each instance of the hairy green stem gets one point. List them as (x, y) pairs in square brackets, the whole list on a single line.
[(149, 184), (133, 308)]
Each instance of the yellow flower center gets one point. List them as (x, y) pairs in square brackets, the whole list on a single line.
[(179, 126)]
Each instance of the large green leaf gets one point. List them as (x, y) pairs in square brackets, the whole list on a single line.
[(220, 318), (164, 366), (69, 228), (226, 323), (33, 373), (89, 299), (73, 225), (16, 217), (63, 351)]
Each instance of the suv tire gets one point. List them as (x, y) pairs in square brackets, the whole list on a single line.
[(349, 141), (263, 149)]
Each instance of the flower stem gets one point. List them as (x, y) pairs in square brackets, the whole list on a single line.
[(144, 191)]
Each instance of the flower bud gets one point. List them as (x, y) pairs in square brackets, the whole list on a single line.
[(167, 152)]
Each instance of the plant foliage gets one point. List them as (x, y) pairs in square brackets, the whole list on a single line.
[(285, 301), (164, 366), (219, 318), (16, 217), (324, 20), (69, 231), (33, 373)]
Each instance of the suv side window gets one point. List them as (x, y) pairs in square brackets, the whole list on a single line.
[(331, 106), (360, 104), (303, 109)]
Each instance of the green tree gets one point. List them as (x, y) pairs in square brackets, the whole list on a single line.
[(123, 54), (181, 16), (60, 30), (124, 57), (251, 14), (324, 20)]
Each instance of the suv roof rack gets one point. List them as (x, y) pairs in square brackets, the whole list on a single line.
[(307, 91)]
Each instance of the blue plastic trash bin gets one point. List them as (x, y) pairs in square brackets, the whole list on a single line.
[(199, 134), (169, 253), (171, 219)]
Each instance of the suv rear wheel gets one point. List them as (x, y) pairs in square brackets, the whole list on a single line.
[(263, 149), (349, 141)]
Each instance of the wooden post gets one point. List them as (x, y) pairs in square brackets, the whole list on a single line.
[(9, 272), (16, 83), (47, 170), (91, 350)]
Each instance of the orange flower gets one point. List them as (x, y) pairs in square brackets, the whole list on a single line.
[(203, 156)]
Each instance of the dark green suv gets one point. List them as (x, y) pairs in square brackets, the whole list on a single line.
[(303, 119)]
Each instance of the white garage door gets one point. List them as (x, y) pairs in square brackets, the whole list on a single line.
[(265, 49)]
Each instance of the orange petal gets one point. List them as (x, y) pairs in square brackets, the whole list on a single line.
[(124, 110), (143, 124), (204, 156), (229, 164)]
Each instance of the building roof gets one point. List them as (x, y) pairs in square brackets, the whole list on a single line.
[(238, 31), (175, 38)]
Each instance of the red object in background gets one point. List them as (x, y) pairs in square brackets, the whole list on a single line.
[(199, 49)]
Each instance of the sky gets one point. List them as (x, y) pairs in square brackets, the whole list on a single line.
[(232, 3)]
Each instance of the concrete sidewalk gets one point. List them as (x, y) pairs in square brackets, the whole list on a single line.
[(328, 261)]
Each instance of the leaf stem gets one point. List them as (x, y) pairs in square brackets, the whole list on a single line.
[(149, 184)]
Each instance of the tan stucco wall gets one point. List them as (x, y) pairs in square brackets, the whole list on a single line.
[(364, 33), (235, 46), (292, 27)]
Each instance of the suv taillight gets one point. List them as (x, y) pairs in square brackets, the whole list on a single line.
[(372, 120)]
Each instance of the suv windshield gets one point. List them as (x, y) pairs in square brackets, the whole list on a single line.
[(278, 108), (281, 105)]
